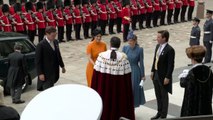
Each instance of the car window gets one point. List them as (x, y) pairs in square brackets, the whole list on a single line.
[(6, 47)]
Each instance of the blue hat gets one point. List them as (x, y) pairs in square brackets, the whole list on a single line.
[(131, 35)]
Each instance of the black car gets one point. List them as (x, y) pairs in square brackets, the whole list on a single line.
[(7, 42)]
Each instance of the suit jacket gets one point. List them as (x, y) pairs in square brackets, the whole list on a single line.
[(165, 65), (48, 62), (17, 70)]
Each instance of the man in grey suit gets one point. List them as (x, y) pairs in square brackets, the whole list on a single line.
[(208, 36), (195, 33), (48, 60), (161, 72), (16, 73)]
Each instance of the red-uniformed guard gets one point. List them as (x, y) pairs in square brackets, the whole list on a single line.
[(94, 15), (163, 12), (191, 9), (23, 9), (41, 24), (68, 18), (77, 19), (5, 22), (171, 6), (12, 3), (17, 19), (49, 14), (86, 18), (44, 4), (149, 13), (126, 19), (34, 5), (31, 28), (142, 13), (118, 8), (178, 4), (183, 10), (156, 13), (1, 13), (112, 16), (60, 20), (103, 16), (134, 14)]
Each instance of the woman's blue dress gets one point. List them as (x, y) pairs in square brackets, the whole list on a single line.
[(136, 59)]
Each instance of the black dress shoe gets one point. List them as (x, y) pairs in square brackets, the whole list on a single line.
[(155, 117), (19, 102)]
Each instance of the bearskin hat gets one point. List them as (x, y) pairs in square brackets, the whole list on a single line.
[(59, 3), (1, 2), (77, 2), (29, 6), (39, 5), (67, 2), (11, 2), (23, 1), (50, 4), (85, 2), (93, 1), (5, 8), (17, 7), (33, 1), (125, 2), (102, 1)]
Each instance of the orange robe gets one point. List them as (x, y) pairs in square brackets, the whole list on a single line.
[(93, 48)]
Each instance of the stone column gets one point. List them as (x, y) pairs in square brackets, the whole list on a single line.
[(200, 9)]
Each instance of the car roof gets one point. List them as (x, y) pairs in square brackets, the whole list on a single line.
[(11, 36)]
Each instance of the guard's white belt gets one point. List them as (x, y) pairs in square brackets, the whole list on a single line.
[(192, 37), (207, 32)]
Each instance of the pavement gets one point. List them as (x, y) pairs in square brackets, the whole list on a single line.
[(75, 59)]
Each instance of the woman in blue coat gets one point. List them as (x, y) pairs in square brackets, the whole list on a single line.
[(136, 58)]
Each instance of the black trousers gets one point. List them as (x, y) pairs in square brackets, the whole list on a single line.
[(93, 26), (141, 18), (162, 17), (169, 16), (134, 21), (176, 15), (103, 24), (60, 33), (155, 18), (119, 22), (183, 12), (125, 31), (69, 31), (161, 96), (41, 33), (208, 54), (190, 11), (16, 93), (148, 19), (77, 31), (31, 35), (86, 27), (111, 25)]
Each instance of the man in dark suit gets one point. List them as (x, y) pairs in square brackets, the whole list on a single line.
[(48, 60), (161, 73), (16, 73)]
